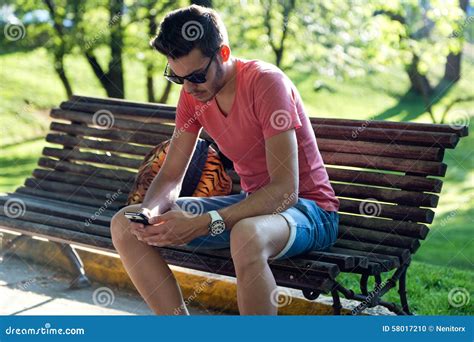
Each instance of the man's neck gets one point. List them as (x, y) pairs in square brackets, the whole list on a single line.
[(230, 73)]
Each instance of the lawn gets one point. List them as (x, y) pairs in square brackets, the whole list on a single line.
[(30, 87)]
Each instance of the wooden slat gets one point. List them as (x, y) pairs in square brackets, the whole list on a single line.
[(402, 254), (54, 212), (403, 228), (69, 141), (366, 235), (381, 150), (36, 217), (385, 164), (121, 102), (386, 135), (60, 203), (122, 136), (73, 190), (460, 130), (410, 198), (388, 261), (105, 159), (397, 212), (86, 181), (121, 124), (67, 198), (117, 109), (55, 234), (404, 182), (344, 262), (122, 175)]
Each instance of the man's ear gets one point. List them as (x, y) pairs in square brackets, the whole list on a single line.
[(225, 53)]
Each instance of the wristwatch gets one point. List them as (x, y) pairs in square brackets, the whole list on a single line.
[(217, 225)]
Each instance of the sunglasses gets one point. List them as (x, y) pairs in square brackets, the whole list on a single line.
[(195, 77)]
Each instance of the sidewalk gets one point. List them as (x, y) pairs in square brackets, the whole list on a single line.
[(28, 288)]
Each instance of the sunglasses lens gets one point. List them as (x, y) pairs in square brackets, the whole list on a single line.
[(175, 79), (197, 78)]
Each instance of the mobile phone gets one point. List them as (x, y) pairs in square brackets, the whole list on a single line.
[(137, 217)]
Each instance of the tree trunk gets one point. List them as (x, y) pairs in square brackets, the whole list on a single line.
[(452, 70), (150, 88), (115, 86), (60, 50), (59, 68), (166, 93), (419, 83)]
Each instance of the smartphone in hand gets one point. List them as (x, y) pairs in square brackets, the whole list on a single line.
[(137, 217)]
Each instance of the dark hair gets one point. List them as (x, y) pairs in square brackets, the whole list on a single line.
[(187, 28)]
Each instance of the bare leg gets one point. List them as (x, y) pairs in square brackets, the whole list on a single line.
[(253, 241), (149, 272)]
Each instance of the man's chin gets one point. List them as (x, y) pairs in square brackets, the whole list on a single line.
[(204, 98)]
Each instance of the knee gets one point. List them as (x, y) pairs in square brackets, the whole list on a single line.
[(247, 244), (119, 228)]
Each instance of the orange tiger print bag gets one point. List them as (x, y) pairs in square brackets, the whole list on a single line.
[(206, 175)]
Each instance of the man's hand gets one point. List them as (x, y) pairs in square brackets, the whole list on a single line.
[(172, 228)]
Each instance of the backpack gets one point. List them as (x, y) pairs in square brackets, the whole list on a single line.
[(206, 175)]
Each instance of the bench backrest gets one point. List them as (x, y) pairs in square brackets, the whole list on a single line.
[(386, 174)]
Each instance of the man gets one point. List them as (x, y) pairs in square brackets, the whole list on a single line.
[(256, 116)]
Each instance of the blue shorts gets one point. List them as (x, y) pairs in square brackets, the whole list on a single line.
[(311, 227)]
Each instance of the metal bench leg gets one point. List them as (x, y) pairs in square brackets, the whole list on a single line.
[(336, 302), (81, 281), (12, 244), (402, 291), (363, 284)]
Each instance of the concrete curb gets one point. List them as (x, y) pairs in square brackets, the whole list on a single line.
[(210, 291)]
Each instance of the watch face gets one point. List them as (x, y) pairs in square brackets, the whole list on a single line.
[(217, 227)]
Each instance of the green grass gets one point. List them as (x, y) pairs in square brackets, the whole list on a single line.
[(29, 87)]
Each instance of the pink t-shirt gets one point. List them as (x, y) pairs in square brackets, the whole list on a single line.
[(266, 103)]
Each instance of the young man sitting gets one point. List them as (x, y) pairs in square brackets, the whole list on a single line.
[(256, 116)]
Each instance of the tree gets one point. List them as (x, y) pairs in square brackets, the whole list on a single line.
[(112, 78)]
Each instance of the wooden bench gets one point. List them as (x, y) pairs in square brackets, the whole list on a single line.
[(386, 175)]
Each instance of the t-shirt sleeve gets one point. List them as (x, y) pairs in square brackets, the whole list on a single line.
[(275, 104), (186, 118)]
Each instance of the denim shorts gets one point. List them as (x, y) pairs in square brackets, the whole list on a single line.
[(311, 227)]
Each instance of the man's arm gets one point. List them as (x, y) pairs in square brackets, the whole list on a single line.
[(282, 190), (166, 186)]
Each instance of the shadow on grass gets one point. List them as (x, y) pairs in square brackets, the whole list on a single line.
[(411, 105)]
